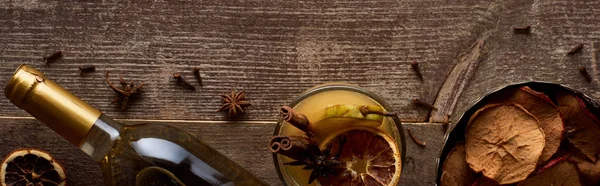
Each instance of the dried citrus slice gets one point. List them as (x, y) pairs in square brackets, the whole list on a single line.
[(542, 108), (31, 167), (504, 142), (456, 171), (371, 156)]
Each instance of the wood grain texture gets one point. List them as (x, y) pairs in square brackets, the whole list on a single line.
[(421, 164), (277, 49), (457, 80), (557, 26), (246, 144), (273, 49)]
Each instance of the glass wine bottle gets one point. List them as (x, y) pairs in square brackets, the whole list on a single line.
[(142, 154)]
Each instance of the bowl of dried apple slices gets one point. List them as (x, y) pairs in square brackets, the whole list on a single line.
[(532, 133)]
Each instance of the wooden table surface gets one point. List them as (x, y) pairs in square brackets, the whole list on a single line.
[(275, 50)]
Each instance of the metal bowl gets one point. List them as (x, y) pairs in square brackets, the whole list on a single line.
[(457, 134)]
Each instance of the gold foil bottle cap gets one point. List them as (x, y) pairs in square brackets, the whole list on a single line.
[(48, 102)]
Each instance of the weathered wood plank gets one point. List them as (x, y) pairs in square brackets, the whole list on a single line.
[(273, 49), (540, 56), (246, 144), (421, 162)]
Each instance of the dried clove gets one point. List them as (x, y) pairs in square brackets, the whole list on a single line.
[(297, 119), (522, 30), (418, 102), (181, 79), (87, 69), (53, 57), (575, 49), (422, 144), (197, 74), (415, 67), (583, 71), (124, 94)]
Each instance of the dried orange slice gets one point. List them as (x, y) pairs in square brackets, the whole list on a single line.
[(371, 156), (31, 167)]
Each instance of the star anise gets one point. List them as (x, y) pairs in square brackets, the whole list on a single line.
[(323, 164), (234, 103), (125, 93)]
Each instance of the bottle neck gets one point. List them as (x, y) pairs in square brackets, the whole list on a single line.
[(51, 104), (101, 138)]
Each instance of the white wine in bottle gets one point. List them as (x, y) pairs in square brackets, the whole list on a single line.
[(142, 154)]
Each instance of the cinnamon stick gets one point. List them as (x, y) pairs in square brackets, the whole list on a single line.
[(295, 147), (297, 119)]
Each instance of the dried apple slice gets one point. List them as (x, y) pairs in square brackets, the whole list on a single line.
[(561, 173), (582, 127), (542, 108), (588, 171), (456, 171), (504, 142), (484, 181)]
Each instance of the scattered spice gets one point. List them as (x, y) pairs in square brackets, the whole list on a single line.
[(126, 93), (197, 74), (180, 79), (415, 67), (522, 30), (583, 71), (234, 103), (418, 102), (53, 57), (422, 144), (575, 49), (87, 69)]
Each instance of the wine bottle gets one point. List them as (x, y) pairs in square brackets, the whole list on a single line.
[(166, 153)]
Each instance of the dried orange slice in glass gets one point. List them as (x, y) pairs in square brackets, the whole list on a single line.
[(371, 156), (31, 167)]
